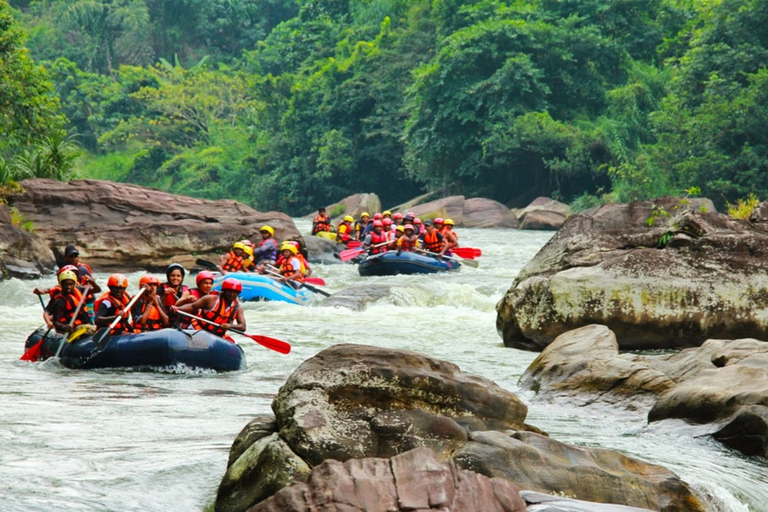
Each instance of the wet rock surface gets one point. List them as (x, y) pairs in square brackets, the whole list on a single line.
[(664, 274), (119, 226), (23, 254)]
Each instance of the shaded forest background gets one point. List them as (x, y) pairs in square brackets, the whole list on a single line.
[(290, 104)]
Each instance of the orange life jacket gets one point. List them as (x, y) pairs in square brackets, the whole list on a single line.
[(71, 301), (286, 269), (125, 323), (234, 263), (221, 314), (433, 242), (153, 323), (321, 223)]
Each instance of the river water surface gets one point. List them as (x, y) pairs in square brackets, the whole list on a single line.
[(158, 441)]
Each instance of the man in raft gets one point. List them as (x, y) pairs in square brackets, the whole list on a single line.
[(223, 309), (148, 312), (322, 222), (85, 274), (64, 303), (432, 240), (266, 253), (111, 305)]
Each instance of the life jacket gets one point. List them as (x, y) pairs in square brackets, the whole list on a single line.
[(169, 299), (117, 304), (433, 242), (234, 262), (378, 239), (288, 269), (345, 235), (84, 270), (270, 254), (405, 243), (153, 323), (321, 223), (221, 314), (54, 292), (304, 264), (71, 302), (359, 228)]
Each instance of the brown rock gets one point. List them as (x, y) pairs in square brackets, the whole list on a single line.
[(354, 205), (123, 226), (487, 213), (451, 207), (607, 266), (412, 481), (23, 254)]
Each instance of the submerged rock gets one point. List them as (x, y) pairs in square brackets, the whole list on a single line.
[(123, 226), (610, 265), (353, 402), (721, 386)]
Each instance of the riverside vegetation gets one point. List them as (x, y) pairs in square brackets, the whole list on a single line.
[(287, 104)]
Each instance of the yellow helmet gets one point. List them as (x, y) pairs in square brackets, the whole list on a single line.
[(67, 274), (289, 247), (349, 218), (387, 212), (249, 251), (268, 229), (240, 245), (365, 214), (400, 228), (449, 222)]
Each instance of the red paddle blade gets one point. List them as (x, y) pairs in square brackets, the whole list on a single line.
[(349, 254), (478, 252), (33, 354), (353, 244), (270, 343), (315, 280), (464, 252)]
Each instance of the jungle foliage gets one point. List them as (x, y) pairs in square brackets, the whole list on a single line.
[(290, 104)]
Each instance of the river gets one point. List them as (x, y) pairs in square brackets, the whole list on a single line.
[(159, 441)]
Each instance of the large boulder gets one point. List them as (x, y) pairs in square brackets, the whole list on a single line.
[(353, 205), (472, 213), (721, 386), (122, 226), (352, 402), (23, 253), (660, 274), (543, 214)]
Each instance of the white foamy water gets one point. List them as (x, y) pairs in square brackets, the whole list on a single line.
[(158, 441)]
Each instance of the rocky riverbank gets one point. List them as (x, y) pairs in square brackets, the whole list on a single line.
[(409, 430)]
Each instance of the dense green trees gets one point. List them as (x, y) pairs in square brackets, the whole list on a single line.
[(288, 104)]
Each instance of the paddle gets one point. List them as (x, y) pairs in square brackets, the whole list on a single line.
[(208, 264), (315, 280), (349, 254), (102, 336), (470, 263), (33, 353), (270, 343), (464, 252), (354, 244), (304, 284), (72, 320)]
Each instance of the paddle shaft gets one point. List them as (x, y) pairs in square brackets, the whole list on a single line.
[(270, 343), (467, 262), (307, 286)]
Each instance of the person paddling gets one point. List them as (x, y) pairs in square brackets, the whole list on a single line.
[(322, 222), (148, 312), (204, 281), (233, 261), (85, 276), (375, 242), (450, 236), (266, 253), (408, 241), (64, 303), (223, 309), (344, 232), (110, 306), (360, 225), (432, 240), (290, 269)]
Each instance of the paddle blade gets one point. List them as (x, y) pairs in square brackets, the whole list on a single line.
[(349, 254), (354, 244), (270, 343), (316, 290), (33, 354), (315, 280), (470, 263), (464, 252), (101, 338), (207, 264), (478, 252)]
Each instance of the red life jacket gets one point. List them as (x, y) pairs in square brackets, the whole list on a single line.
[(405, 243), (286, 269), (71, 301), (346, 236), (234, 263), (170, 299), (321, 223), (378, 239), (153, 323), (433, 242), (117, 304), (221, 314)]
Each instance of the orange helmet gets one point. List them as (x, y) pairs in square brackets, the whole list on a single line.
[(202, 276), (148, 280), (118, 280), (231, 283)]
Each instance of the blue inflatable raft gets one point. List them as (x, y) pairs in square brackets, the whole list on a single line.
[(390, 263), (155, 349), (257, 287)]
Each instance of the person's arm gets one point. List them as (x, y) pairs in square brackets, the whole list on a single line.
[(164, 320), (239, 321), (201, 303), (54, 310)]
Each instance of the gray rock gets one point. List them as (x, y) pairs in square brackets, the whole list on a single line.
[(358, 297), (23, 254)]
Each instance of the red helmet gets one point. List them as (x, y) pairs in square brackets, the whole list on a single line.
[(203, 275), (438, 220), (408, 226), (231, 283), (417, 220), (387, 222), (377, 216), (148, 280), (68, 267), (397, 216), (378, 223), (411, 215), (118, 280)]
